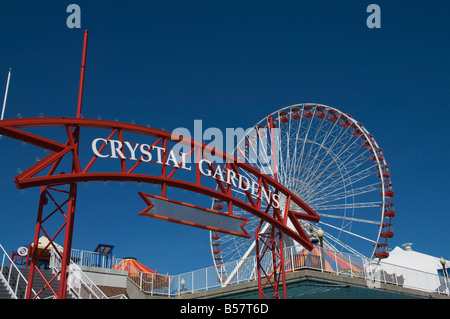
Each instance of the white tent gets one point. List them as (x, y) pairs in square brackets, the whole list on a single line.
[(417, 270)]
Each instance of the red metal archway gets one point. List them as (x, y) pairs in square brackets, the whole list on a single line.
[(37, 175), (48, 175), (167, 170)]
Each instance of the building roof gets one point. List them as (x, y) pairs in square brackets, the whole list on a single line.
[(44, 243), (416, 269), (409, 258)]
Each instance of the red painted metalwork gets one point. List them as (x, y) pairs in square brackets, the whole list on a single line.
[(82, 173), (36, 175), (47, 175), (271, 242), (219, 217), (69, 215)]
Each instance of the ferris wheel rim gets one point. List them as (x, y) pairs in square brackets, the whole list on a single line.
[(373, 146), (366, 135)]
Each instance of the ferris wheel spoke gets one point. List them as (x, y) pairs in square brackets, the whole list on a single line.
[(280, 159), (330, 197), (299, 167), (347, 181), (348, 206), (234, 250), (349, 232), (290, 150), (309, 185), (342, 183), (310, 169), (296, 143), (337, 242), (312, 145), (286, 152), (313, 161), (333, 159), (263, 150), (352, 219), (246, 255), (300, 140), (324, 170), (359, 175)]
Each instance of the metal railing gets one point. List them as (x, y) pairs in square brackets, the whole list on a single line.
[(238, 272), (93, 259), (12, 276), (78, 282), (410, 278), (340, 264)]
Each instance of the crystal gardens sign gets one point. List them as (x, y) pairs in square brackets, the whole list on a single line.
[(159, 155)]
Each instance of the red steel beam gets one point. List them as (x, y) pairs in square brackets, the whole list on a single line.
[(84, 175), (142, 130)]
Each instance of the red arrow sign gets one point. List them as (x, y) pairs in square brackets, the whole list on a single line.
[(191, 215)]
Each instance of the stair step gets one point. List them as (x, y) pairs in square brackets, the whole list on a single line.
[(4, 292), (38, 283)]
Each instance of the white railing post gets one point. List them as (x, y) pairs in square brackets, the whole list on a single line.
[(140, 280), (446, 279), (350, 264), (206, 279), (446, 284), (335, 260), (238, 276), (291, 256), (322, 263), (154, 276), (19, 277), (169, 279)]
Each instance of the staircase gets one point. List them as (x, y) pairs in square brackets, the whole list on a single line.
[(15, 279), (4, 292), (38, 284)]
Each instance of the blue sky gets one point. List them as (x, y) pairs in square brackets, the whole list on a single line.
[(228, 63)]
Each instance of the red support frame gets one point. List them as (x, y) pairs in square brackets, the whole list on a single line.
[(43, 218), (69, 216), (53, 182), (270, 242), (36, 176), (167, 177)]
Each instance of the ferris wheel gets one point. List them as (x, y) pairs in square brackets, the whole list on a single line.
[(330, 161)]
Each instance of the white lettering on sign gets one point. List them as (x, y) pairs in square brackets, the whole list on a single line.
[(146, 153)]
